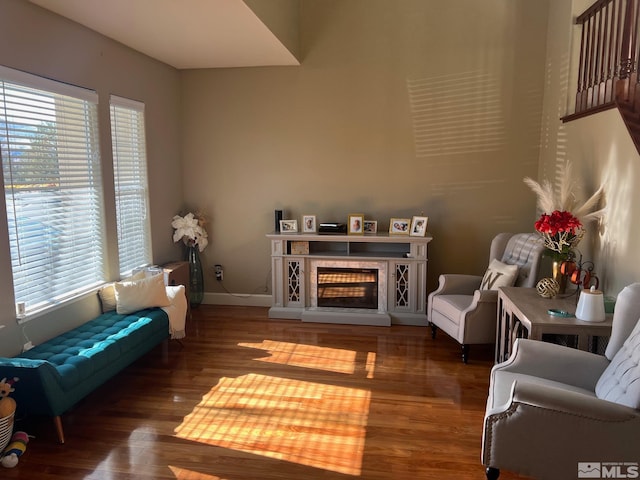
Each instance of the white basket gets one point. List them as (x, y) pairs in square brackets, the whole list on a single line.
[(6, 429)]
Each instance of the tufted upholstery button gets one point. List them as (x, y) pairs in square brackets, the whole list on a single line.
[(620, 382)]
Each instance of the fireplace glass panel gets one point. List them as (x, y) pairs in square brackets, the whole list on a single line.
[(348, 287)]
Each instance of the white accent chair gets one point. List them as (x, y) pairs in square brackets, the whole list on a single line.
[(468, 314), (552, 407)]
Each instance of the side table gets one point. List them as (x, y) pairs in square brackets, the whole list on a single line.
[(522, 313)]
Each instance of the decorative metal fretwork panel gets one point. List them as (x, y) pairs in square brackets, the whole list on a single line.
[(294, 277), (402, 285)]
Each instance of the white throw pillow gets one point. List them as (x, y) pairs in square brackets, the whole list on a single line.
[(139, 294), (107, 296), (107, 293), (499, 275)]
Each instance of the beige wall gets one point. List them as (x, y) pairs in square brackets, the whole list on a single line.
[(399, 108), (601, 152), (39, 42)]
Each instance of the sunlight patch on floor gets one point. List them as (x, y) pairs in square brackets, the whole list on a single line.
[(312, 424), (307, 356), (184, 474)]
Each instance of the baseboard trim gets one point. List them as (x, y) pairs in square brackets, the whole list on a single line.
[(250, 300)]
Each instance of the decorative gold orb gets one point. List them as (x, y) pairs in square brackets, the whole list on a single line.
[(548, 288)]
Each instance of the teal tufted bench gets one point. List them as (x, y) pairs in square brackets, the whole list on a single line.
[(58, 373)]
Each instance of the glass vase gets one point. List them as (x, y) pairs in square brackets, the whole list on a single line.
[(196, 276)]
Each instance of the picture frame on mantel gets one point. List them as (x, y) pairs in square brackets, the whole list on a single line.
[(288, 226), (399, 226), (356, 224), (370, 227), (419, 226), (309, 224)]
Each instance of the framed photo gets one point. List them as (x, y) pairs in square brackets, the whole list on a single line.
[(370, 227), (356, 224), (288, 226), (309, 224), (399, 226), (419, 226)]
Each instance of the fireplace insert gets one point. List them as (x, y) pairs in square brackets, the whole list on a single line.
[(348, 287)]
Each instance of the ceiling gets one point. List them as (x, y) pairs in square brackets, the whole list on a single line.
[(182, 33)]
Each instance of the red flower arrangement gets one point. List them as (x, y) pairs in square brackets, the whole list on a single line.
[(561, 231)]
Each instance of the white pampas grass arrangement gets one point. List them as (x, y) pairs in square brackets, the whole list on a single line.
[(564, 200)]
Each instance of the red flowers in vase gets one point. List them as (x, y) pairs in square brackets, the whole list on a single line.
[(561, 231)]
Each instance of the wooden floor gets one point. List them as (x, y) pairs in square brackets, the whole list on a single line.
[(245, 397)]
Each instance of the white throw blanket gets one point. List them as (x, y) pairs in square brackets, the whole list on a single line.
[(177, 311)]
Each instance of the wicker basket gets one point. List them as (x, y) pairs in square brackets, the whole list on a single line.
[(6, 429)]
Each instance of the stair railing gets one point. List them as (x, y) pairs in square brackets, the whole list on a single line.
[(608, 68)]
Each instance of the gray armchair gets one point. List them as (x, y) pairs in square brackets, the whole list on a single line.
[(554, 411), (468, 313)]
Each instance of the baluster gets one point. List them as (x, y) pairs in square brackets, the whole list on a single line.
[(604, 19), (634, 62), (619, 25), (626, 55), (589, 63), (633, 34), (581, 85), (597, 60), (603, 54), (613, 49)]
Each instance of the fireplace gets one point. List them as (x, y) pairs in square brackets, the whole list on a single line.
[(347, 287), (372, 280)]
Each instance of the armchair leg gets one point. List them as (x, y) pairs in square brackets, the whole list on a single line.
[(434, 329), (465, 353), (492, 473)]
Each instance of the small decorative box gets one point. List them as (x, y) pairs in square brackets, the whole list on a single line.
[(299, 248)]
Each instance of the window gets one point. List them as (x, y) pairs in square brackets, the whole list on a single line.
[(131, 186), (53, 188)]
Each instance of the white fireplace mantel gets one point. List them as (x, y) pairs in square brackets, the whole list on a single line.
[(401, 262)]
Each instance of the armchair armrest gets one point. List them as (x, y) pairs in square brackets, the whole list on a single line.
[(39, 386), (569, 402), (486, 296), (457, 284), (554, 362)]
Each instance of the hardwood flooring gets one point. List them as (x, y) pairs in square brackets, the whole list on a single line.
[(245, 397)]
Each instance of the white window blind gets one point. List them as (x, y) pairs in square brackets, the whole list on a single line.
[(52, 186), (131, 185)]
